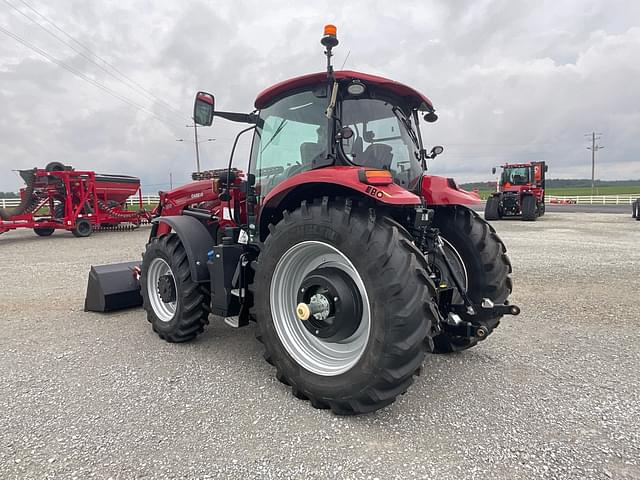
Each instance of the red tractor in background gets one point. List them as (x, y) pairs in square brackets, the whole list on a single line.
[(350, 259), (520, 192)]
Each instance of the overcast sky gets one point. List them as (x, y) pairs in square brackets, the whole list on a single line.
[(511, 81)]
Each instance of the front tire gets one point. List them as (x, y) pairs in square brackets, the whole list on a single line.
[(492, 208), (480, 260), (529, 208), (176, 306), (374, 361)]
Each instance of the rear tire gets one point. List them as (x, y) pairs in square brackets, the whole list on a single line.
[(492, 209), (529, 208), (83, 228), (183, 318), (362, 372), (485, 264)]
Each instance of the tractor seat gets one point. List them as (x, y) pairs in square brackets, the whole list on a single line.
[(377, 155)]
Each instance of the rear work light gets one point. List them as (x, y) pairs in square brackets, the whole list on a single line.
[(375, 177)]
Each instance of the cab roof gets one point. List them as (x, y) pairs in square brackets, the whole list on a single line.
[(270, 94)]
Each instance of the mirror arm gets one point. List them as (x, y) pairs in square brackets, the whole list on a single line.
[(250, 118), (423, 151)]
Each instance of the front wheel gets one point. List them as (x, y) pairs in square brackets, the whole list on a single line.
[(492, 209), (529, 208), (480, 262), (177, 307), (343, 305)]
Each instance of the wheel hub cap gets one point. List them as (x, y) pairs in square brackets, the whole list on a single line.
[(167, 288), (333, 302)]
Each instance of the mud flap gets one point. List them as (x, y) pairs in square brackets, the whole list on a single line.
[(113, 287)]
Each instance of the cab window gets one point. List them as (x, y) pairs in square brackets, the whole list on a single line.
[(290, 135)]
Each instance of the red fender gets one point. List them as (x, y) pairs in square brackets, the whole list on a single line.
[(445, 191), (344, 176)]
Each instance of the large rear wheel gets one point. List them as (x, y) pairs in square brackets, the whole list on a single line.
[(343, 304), (479, 260)]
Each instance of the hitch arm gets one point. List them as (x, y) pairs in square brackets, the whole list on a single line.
[(486, 309)]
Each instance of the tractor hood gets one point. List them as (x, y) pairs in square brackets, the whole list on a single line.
[(417, 99)]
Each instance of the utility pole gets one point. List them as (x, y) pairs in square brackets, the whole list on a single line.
[(594, 148), (196, 142), (170, 181)]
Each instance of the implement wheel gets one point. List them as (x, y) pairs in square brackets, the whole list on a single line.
[(479, 259), (44, 232), (176, 306), (343, 305), (83, 228)]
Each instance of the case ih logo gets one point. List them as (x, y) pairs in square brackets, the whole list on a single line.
[(197, 195)]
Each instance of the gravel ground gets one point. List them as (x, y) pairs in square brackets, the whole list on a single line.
[(554, 393)]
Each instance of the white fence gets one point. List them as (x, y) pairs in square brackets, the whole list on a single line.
[(559, 199), (146, 199), (593, 199)]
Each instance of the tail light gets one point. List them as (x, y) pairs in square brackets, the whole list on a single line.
[(376, 177)]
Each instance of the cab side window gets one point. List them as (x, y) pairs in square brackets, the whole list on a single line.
[(291, 133)]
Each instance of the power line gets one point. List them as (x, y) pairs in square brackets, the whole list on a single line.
[(82, 76), (121, 77)]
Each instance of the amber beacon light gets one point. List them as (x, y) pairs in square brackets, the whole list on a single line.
[(330, 36)]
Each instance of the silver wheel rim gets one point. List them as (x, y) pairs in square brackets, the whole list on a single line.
[(164, 311), (458, 266), (310, 352)]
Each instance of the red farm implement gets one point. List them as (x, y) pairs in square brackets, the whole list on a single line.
[(80, 201)]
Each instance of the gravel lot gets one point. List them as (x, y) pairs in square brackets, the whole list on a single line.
[(554, 393)]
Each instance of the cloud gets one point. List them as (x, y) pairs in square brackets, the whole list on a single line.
[(512, 81)]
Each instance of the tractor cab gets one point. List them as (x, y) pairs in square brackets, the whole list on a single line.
[(522, 176), (515, 176), (372, 127)]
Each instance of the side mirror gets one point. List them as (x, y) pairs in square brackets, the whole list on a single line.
[(493, 171), (546, 168), (435, 151), (203, 109)]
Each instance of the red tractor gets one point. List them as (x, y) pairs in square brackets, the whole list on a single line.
[(520, 192), (352, 261)]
